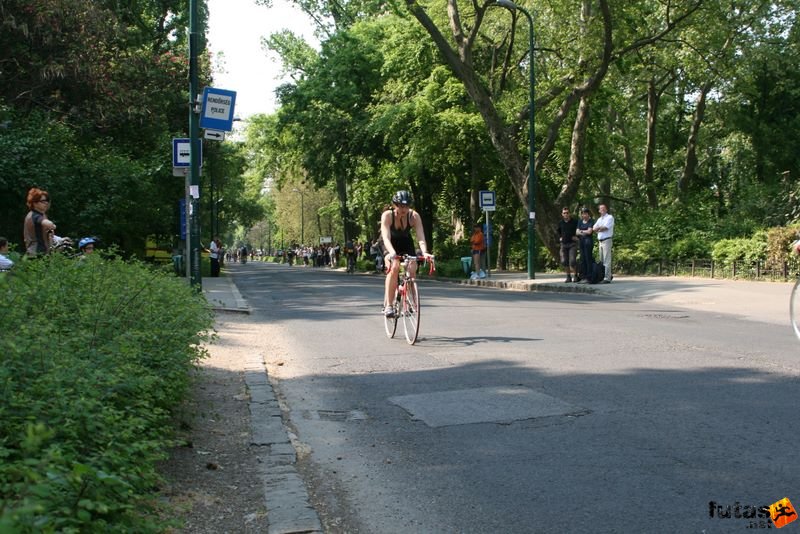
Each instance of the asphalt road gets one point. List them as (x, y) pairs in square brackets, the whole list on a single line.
[(528, 412)]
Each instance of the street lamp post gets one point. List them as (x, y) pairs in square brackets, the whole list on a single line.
[(302, 215), (508, 4)]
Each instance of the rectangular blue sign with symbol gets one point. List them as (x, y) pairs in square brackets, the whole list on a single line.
[(181, 152), (487, 200), (217, 110)]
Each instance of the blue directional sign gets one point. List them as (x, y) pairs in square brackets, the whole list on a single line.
[(217, 110), (181, 152), (487, 200)]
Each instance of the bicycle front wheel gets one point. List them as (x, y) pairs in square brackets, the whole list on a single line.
[(794, 308), (390, 323), (410, 311)]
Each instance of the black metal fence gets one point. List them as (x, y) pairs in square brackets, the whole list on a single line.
[(704, 268)]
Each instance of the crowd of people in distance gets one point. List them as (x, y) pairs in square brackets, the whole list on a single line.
[(323, 255), (576, 238)]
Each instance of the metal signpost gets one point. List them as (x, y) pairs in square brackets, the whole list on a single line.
[(181, 167), (487, 203)]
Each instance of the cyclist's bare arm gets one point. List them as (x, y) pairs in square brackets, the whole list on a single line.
[(386, 233), (420, 232)]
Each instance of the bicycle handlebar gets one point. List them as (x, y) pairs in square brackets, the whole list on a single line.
[(425, 259)]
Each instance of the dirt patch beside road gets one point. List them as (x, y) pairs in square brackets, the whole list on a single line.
[(213, 481)]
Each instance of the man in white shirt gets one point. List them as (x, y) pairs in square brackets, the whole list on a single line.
[(5, 263), (214, 255), (604, 228)]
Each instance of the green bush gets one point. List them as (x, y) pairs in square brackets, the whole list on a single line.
[(646, 248), (694, 244), (449, 268), (779, 240), (741, 249), (96, 355)]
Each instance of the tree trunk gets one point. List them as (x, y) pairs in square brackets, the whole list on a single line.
[(690, 161), (424, 205), (474, 200), (502, 247), (344, 212), (653, 99), (549, 230), (627, 155)]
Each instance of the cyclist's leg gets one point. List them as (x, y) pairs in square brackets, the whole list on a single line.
[(390, 284), (412, 268)]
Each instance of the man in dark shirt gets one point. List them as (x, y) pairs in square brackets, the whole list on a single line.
[(567, 236)]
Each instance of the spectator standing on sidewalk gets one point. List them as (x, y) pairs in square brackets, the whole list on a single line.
[(38, 230), (477, 243), (567, 236), (215, 250), (586, 243), (604, 228), (376, 250)]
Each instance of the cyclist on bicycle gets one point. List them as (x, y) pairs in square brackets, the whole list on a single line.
[(396, 225)]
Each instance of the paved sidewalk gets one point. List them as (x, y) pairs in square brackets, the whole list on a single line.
[(223, 295), (758, 301)]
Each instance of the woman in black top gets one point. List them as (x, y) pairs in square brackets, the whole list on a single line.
[(396, 225)]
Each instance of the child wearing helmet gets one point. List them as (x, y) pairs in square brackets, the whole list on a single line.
[(86, 245)]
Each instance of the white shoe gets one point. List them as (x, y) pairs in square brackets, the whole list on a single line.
[(482, 274), (473, 276)]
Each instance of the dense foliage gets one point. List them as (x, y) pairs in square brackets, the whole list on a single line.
[(91, 95), (96, 356), (680, 115)]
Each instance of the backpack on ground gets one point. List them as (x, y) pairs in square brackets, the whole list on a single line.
[(597, 273)]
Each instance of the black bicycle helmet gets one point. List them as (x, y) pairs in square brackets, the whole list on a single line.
[(403, 198)]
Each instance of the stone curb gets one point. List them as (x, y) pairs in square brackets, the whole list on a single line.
[(529, 286), (285, 496), (240, 303)]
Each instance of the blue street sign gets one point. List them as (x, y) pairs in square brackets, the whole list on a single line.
[(217, 110), (486, 199), (181, 155)]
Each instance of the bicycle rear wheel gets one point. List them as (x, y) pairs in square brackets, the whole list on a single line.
[(794, 308), (390, 323), (410, 311)]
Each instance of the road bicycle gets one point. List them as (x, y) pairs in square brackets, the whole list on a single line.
[(406, 300), (351, 263)]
